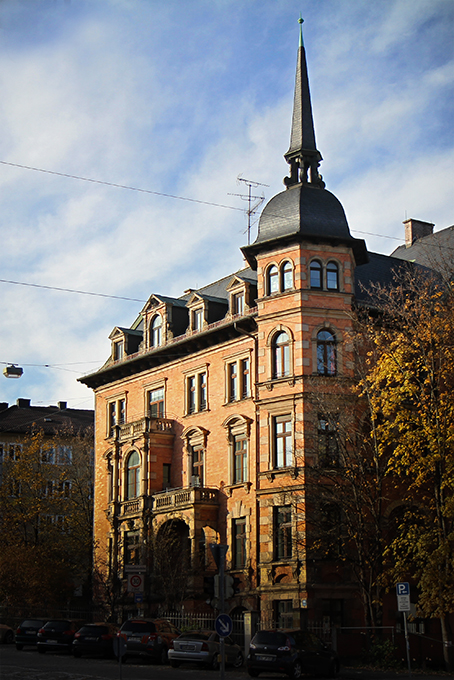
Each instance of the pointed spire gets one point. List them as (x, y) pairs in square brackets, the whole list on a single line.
[(302, 156)]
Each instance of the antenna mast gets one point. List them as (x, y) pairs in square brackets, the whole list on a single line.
[(252, 208)]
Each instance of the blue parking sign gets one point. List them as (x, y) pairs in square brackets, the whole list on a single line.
[(403, 588)]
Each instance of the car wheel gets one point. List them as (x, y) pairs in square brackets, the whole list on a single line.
[(297, 670), (9, 637), (253, 673), (77, 653), (238, 661), (41, 650), (164, 658), (19, 647), (174, 663), (214, 665)]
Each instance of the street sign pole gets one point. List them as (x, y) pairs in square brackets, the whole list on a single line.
[(403, 605), (222, 598)]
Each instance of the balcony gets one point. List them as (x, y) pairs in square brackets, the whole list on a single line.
[(179, 499), (143, 426)]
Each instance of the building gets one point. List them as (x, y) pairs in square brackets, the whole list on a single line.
[(208, 410), (428, 248)]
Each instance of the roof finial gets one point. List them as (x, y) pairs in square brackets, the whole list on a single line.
[(302, 156)]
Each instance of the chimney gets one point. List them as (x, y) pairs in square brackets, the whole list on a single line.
[(3, 405), (23, 403), (416, 229), (62, 405)]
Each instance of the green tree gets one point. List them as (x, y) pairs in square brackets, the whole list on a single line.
[(410, 390)]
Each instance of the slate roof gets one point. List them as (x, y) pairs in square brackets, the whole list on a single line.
[(20, 420), (435, 251)]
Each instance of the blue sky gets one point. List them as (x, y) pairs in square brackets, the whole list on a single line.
[(180, 98)]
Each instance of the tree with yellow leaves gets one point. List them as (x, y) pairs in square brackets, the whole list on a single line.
[(410, 391), (46, 519)]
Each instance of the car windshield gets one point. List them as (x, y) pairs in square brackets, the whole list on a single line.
[(266, 637), (195, 636), (32, 623), (58, 625), (141, 627), (93, 630)]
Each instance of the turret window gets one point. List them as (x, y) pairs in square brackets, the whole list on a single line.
[(273, 280), (286, 276), (326, 353), (281, 355), (316, 274), (332, 276)]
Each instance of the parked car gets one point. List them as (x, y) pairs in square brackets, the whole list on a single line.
[(6, 634), (27, 632), (293, 652), (57, 634), (95, 638), (148, 637), (203, 647)]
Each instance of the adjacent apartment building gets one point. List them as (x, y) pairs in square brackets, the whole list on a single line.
[(209, 410)]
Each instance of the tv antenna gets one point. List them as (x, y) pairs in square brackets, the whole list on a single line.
[(252, 207)]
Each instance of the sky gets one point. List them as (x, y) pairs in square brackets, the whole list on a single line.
[(176, 100)]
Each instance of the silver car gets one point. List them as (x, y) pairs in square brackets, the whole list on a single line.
[(203, 647)]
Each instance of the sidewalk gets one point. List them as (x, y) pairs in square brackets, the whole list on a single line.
[(369, 674)]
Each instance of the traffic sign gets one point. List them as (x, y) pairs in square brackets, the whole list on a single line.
[(403, 588), (223, 625), (135, 583)]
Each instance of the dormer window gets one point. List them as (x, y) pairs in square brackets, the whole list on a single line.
[(156, 331), (197, 319), (118, 350), (238, 303)]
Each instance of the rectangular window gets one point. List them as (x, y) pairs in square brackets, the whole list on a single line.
[(240, 473), (283, 441), (246, 378), (14, 451), (197, 392), (166, 468), (197, 456), (283, 613), (156, 403), (63, 455), (282, 532), (233, 381), (239, 542), (328, 451), (238, 379), (116, 415)]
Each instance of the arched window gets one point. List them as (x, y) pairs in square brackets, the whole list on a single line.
[(326, 353), (287, 276), (133, 476), (316, 274), (156, 331), (281, 355), (273, 280), (332, 276)]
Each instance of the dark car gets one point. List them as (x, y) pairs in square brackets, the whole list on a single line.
[(148, 637), (6, 634), (95, 638), (27, 632), (57, 634), (203, 647), (292, 652)]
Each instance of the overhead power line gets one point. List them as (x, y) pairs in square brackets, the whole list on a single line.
[(71, 290)]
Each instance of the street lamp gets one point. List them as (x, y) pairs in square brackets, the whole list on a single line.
[(12, 371)]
